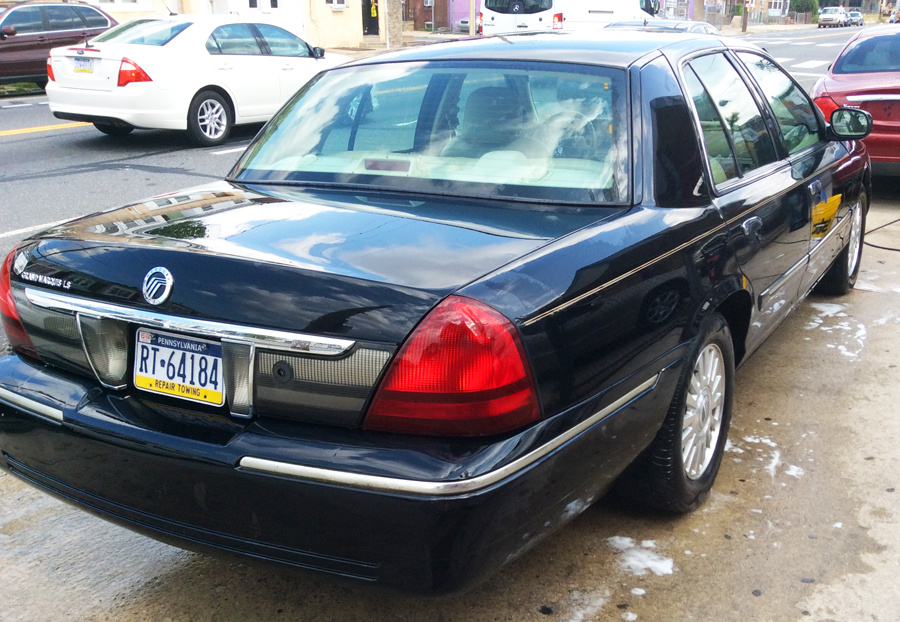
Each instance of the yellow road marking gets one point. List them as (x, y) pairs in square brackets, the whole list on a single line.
[(42, 128)]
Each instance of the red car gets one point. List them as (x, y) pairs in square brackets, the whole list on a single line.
[(866, 75)]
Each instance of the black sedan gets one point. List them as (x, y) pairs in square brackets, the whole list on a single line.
[(448, 298)]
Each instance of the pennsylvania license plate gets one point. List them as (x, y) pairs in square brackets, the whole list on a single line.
[(84, 65), (179, 366)]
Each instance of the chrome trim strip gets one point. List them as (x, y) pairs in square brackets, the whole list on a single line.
[(273, 339), (26, 403), (432, 488), (873, 98)]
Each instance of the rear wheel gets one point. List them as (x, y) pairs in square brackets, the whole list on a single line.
[(114, 130), (209, 119), (677, 471), (841, 276)]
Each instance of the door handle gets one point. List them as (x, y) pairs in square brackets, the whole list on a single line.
[(752, 225), (815, 191)]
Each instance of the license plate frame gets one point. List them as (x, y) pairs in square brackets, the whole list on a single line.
[(84, 65), (170, 364)]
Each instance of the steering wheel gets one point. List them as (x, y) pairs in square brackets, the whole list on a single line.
[(570, 134)]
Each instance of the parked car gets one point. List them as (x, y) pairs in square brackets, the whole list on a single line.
[(674, 25), (856, 18), (203, 74), (866, 75), (447, 298), (893, 19), (28, 30), (833, 16)]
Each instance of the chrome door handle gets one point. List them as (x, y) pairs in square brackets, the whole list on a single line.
[(752, 225), (815, 191)]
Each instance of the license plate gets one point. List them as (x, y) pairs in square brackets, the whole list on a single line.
[(84, 65), (179, 366)]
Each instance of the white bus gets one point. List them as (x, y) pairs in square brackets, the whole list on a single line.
[(508, 16)]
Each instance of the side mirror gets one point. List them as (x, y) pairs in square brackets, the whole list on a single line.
[(318, 52), (850, 124), (7, 31)]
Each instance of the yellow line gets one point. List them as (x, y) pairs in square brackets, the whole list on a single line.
[(43, 128)]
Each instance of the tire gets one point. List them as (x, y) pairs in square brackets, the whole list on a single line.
[(41, 84), (114, 130), (209, 119), (676, 472), (841, 276)]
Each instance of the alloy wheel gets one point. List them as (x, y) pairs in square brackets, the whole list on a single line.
[(704, 408)]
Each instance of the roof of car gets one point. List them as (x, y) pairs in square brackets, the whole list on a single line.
[(616, 48)]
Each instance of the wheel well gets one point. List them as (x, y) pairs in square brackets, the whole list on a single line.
[(736, 311), (220, 91)]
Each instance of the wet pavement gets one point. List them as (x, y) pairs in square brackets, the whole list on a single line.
[(801, 525)]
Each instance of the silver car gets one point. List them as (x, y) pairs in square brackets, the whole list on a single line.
[(856, 18)]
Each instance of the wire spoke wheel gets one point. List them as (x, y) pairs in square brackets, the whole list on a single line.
[(704, 408), (855, 239)]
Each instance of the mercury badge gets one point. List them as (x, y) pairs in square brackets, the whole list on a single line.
[(157, 285)]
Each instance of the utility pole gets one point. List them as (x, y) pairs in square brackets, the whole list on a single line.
[(472, 18), (744, 17)]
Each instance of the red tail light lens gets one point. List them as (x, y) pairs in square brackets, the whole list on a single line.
[(481, 23), (826, 105), (558, 21), (463, 372), (130, 71), (12, 323), (50, 75)]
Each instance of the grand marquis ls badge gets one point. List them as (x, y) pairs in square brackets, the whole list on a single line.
[(158, 285)]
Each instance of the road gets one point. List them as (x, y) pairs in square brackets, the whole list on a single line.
[(802, 523)]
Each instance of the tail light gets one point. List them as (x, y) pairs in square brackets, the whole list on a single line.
[(50, 75), (462, 372), (558, 21), (826, 105), (481, 23), (130, 71), (12, 323)]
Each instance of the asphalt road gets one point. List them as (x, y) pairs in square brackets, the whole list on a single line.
[(802, 523)]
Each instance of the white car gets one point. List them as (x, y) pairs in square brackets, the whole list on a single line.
[(203, 74), (856, 18), (834, 16)]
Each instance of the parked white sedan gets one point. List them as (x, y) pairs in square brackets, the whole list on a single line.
[(203, 74)]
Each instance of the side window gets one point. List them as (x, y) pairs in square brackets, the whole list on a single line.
[(26, 20), (63, 18), (281, 42), (718, 146), (752, 143), (233, 39), (677, 161), (792, 108), (92, 17)]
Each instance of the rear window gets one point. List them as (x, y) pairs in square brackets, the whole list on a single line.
[(144, 32), (507, 130), (518, 6), (870, 55)]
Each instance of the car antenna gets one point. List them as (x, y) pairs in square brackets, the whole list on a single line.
[(171, 12)]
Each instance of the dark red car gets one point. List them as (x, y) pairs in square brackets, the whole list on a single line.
[(28, 30), (866, 75)]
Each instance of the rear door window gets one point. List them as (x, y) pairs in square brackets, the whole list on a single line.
[(751, 141), (62, 17)]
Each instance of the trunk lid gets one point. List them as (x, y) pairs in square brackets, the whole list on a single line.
[(364, 267)]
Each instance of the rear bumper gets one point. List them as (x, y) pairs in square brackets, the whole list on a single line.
[(331, 501), (136, 105)]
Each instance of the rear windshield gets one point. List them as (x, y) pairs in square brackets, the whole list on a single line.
[(871, 55), (518, 6), (538, 131), (144, 32)]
